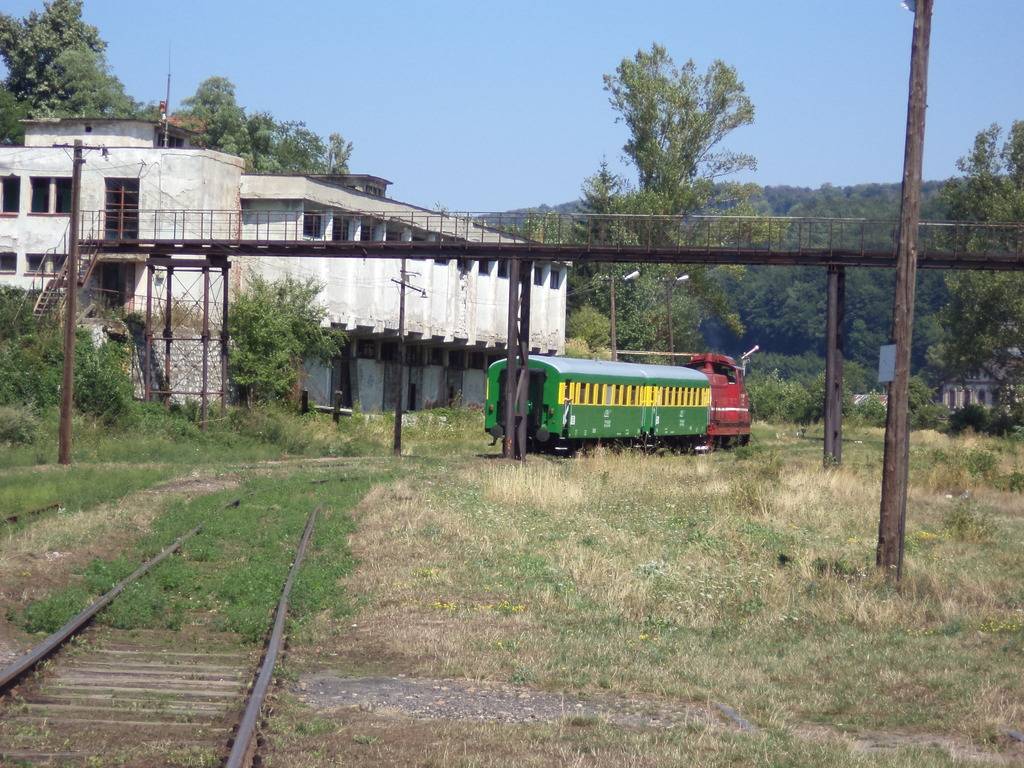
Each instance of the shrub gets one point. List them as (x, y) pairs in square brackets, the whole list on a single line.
[(965, 522), (871, 411), (274, 327), (774, 399), (972, 416), (103, 386), (18, 426)]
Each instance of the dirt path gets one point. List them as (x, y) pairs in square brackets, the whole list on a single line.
[(483, 702)]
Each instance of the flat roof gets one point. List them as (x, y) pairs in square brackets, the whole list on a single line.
[(574, 366)]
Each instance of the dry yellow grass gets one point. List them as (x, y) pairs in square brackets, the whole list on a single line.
[(747, 577)]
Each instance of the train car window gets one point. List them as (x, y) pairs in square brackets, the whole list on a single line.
[(561, 392), (677, 394), (688, 397), (607, 394)]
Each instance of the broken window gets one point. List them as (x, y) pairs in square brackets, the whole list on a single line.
[(44, 263)]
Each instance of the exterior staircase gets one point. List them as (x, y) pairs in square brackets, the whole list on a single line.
[(51, 298)]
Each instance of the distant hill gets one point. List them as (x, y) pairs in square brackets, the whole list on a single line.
[(782, 308), (869, 201)]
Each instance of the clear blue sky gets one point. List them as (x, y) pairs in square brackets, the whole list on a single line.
[(487, 106)]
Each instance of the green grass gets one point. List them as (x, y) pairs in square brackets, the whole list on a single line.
[(231, 574), (74, 488)]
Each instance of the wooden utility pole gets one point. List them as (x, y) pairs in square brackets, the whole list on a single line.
[(614, 340), (893, 511), (397, 445), (67, 391)]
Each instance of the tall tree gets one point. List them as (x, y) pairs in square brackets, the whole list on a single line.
[(216, 116), (984, 319), (677, 119), (12, 111), (56, 64), (338, 153), (266, 144)]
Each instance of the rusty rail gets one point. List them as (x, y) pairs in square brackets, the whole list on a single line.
[(244, 741), (13, 672)]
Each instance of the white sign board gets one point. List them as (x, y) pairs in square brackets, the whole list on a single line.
[(886, 363)]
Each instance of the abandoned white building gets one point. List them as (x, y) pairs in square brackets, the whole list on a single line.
[(131, 172)]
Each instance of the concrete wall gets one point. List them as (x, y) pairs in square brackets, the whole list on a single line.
[(109, 133), (168, 179)]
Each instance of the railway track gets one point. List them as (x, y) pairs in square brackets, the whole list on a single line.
[(99, 696)]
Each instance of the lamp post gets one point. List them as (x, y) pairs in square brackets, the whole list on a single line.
[(626, 278), (668, 314)]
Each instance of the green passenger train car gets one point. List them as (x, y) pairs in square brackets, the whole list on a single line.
[(573, 402)]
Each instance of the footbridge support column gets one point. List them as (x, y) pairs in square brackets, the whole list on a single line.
[(517, 375), (834, 366)]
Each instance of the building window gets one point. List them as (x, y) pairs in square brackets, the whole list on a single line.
[(366, 349), (340, 229), (40, 195), (312, 225), (485, 267), (51, 195), (503, 268), (366, 230), (538, 275), (122, 209), (8, 263), (62, 195), (436, 356), (412, 355), (457, 359), (389, 351), (44, 263), (556, 278), (10, 194), (477, 360)]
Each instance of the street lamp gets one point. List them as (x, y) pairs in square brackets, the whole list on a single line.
[(668, 315), (625, 278)]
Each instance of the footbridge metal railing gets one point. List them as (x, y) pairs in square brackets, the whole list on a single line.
[(539, 235)]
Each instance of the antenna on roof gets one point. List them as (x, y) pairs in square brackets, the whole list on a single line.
[(165, 112)]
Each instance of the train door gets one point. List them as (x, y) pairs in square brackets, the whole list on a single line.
[(534, 400)]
